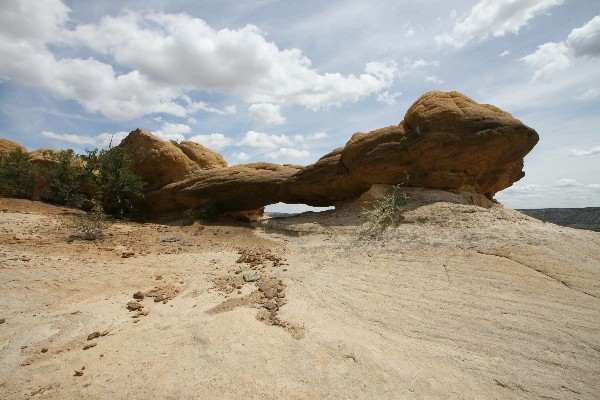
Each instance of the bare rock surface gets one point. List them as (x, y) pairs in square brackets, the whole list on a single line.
[(8, 146), (456, 301)]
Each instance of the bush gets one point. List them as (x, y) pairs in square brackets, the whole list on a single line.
[(67, 179), (91, 226), (17, 175), (115, 185), (384, 213)]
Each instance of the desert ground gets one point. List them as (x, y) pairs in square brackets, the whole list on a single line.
[(456, 302)]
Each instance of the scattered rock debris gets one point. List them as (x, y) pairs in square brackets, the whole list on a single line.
[(78, 373), (171, 239), (252, 277), (96, 334), (90, 345)]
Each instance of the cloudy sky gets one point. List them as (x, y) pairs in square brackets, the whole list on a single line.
[(288, 81)]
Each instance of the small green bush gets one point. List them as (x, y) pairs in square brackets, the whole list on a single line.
[(67, 179), (116, 186), (17, 175)]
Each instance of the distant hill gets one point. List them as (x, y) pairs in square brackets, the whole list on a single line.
[(581, 218)]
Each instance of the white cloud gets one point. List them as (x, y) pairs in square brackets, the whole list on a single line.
[(548, 59), (170, 128), (65, 137), (594, 186), (214, 141), (264, 141), (318, 135), (494, 18), (159, 74), (267, 114), (585, 41), (102, 140), (585, 153), (434, 79), (588, 94), (241, 156), (567, 183), (239, 62), (285, 152), (388, 98), (504, 53)]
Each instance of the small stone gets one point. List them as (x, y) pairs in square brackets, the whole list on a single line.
[(93, 335), (251, 277), (2, 320), (23, 347), (159, 277), (133, 305), (25, 258), (127, 254), (90, 345), (239, 292), (139, 295), (44, 350), (241, 259), (158, 298), (101, 355), (83, 368), (171, 239), (78, 373), (270, 306)]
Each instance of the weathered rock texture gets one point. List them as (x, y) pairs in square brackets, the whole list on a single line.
[(6, 146), (446, 141)]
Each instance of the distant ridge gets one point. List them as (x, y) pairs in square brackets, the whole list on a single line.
[(581, 218)]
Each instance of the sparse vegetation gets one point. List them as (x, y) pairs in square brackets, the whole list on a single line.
[(17, 175), (385, 212), (67, 179), (115, 185), (90, 226)]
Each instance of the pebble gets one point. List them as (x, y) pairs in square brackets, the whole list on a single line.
[(251, 277), (93, 335), (139, 295), (45, 350), (90, 345), (78, 373), (2, 320), (133, 305)]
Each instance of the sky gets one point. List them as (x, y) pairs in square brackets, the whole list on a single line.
[(289, 81)]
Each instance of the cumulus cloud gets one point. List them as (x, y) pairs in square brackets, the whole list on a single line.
[(165, 58), (215, 141), (102, 140), (504, 53), (548, 59), (265, 141), (552, 57), (588, 94), (318, 136), (433, 79), (388, 98), (567, 183), (286, 152), (241, 156), (494, 18), (267, 114), (585, 41), (585, 153)]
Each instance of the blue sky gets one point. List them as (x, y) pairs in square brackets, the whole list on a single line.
[(288, 81)]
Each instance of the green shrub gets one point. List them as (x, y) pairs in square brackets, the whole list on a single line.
[(385, 212), (67, 179), (17, 175), (115, 185)]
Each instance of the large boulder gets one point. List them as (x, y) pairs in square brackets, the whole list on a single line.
[(205, 158), (446, 141), (7, 146)]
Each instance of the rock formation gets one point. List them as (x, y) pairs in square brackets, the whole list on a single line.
[(6, 146), (446, 141)]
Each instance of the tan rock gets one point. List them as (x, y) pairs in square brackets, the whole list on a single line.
[(204, 157), (7, 146)]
